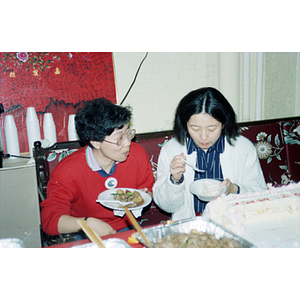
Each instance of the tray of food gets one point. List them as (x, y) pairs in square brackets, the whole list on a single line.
[(198, 232)]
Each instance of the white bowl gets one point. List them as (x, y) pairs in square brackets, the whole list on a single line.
[(197, 189)]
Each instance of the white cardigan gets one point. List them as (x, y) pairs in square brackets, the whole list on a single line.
[(239, 163)]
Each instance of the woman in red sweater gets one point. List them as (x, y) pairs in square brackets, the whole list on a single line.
[(109, 160)]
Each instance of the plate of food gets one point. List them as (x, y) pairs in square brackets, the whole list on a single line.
[(121, 197), (207, 189)]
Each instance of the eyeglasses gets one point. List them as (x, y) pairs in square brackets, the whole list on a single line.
[(129, 135)]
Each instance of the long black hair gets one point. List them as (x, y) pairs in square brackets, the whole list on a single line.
[(205, 100), (99, 118)]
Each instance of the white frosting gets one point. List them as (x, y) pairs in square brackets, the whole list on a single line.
[(261, 217), (253, 206)]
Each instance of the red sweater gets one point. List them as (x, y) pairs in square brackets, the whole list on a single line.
[(73, 188)]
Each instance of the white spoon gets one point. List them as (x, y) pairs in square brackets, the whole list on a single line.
[(117, 201), (193, 167)]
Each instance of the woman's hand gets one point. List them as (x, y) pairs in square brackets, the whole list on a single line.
[(231, 187), (177, 167), (100, 227)]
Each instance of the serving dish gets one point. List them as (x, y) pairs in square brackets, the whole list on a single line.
[(200, 224)]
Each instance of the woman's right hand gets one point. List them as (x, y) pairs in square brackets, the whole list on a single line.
[(177, 166), (100, 227)]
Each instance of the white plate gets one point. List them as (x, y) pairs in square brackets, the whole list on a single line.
[(197, 189), (108, 195)]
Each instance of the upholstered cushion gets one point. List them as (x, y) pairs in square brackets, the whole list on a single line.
[(153, 147), (269, 143), (291, 134), (153, 215), (53, 157)]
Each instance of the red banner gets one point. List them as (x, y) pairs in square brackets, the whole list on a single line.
[(55, 82)]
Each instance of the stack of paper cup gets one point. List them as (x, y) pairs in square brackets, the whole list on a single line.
[(49, 129), (33, 128), (11, 136), (1, 140), (71, 129)]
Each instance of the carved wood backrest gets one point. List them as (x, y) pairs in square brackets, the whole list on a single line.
[(47, 158)]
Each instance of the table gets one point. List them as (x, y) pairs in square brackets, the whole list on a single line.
[(124, 235), (276, 231)]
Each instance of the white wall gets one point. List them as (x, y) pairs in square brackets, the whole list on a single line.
[(166, 77), (163, 80), (281, 84)]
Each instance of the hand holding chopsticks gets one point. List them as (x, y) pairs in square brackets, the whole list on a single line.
[(136, 225), (92, 235)]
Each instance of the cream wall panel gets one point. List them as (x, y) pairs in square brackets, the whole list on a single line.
[(165, 77), (253, 73), (163, 80), (229, 78), (280, 85)]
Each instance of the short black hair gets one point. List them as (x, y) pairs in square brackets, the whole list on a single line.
[(205, 100), (99, 118)]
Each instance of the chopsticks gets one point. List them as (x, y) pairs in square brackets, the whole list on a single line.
[(92, 235), (136, 225)]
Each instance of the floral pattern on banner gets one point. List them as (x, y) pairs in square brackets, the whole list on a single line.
[(33, 78), (32, 60), (52, 82)]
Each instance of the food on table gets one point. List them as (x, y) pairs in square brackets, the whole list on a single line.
[(132, 239), (195, 239), (127, 196), (268, 219), (211, 188), (252, 207)]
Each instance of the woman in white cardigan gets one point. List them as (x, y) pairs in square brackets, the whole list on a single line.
[(205, 134)]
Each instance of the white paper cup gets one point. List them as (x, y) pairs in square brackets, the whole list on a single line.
[(49, 128), (33, 128), (11, 136), (72, 134)]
